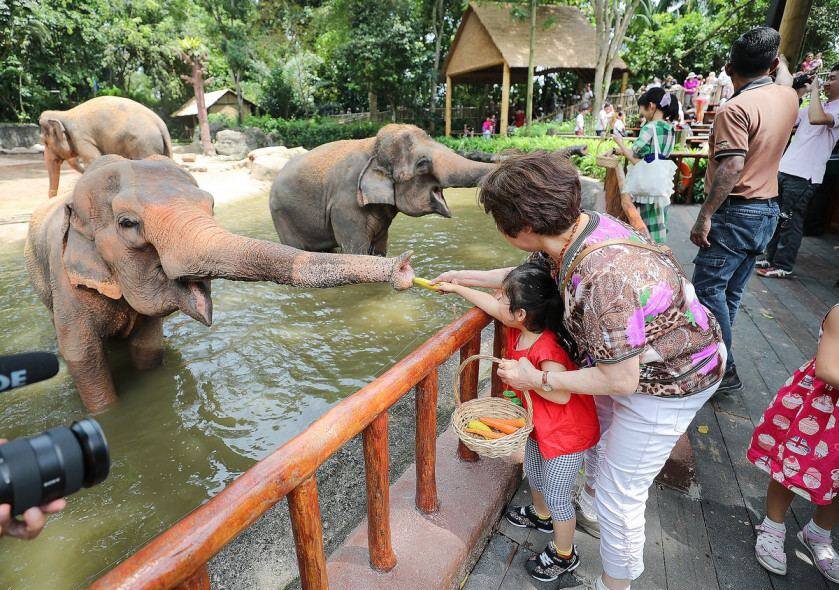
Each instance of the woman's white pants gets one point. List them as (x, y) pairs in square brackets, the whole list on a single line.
[(638, 433)]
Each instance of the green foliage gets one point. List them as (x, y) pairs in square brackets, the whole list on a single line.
[(311, 133), (277, 95)]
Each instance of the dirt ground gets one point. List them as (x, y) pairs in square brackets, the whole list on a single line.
[(24, 185)]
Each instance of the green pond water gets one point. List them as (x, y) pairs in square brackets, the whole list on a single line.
[(274, 360)]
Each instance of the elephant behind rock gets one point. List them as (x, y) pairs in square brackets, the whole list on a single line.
[(346, 193), (137, 241), (102, 125)]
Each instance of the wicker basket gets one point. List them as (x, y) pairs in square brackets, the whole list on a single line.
[(490, 407), (607, 161)]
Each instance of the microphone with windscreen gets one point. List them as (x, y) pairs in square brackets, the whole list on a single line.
[(17, 370)]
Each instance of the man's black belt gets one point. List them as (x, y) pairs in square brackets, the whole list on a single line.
[(745, 201)]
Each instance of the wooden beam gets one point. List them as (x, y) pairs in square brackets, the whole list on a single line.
[(505, 99), (449, 87), (307, 529), (792, 29), (376, 465), (426, 443)]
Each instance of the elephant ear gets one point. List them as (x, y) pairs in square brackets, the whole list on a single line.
[(82, 263), (55, 130), (375, 186)]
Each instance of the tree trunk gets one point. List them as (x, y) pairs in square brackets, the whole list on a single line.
[(240, 101), (611, 20), (436, 12), (203, 122), (373, 102), (531, 63)]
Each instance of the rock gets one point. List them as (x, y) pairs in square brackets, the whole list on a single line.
[(593, 195), (255, 138), (266, 162), (188, 157), (231, 143)]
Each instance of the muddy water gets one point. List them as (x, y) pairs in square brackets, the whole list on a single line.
[(274, 360)]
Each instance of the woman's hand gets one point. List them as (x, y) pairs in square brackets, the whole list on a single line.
[(451, 276), (446, 287), (520, 374)]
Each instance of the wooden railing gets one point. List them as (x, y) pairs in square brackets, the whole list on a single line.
[(178, 556)]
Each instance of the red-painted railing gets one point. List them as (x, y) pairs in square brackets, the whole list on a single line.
[(178, 556)]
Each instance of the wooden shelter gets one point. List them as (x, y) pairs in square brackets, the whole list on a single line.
[(491, 46), (218, 102)]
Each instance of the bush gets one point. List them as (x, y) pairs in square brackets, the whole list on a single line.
[(311, 133), (277, 95)]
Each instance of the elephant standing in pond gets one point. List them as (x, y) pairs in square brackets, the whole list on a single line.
[(346, 193), (137, 241), (102, 125)]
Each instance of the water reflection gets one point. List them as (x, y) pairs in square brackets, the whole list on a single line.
[(275, 359)]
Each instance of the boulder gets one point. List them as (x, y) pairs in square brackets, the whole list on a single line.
[(265, 163), (593, 195), (255, 138), (231, 143)]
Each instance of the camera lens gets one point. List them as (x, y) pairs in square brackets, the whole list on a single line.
[(39, 469)]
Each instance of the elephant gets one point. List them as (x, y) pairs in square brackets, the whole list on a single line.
[(136, 241), (346, 193), (102, 125)]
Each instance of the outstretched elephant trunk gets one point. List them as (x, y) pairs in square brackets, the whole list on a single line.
[(198, 249), (454, 170)]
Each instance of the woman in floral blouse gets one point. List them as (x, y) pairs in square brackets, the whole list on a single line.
[(650, 353)]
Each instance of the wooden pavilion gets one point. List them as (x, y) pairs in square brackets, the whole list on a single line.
[(491, 45)]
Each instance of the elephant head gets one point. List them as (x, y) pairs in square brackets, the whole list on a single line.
[(408, 170), (142, 230), (58, 146)]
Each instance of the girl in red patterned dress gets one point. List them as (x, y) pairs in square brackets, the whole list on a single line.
[(564, 424), (797, 443)]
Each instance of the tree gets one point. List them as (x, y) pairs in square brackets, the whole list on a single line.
[(193, 52), (277, 95), (300, 72), (611, 20)]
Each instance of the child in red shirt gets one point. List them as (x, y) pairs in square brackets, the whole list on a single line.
[(564, 423)]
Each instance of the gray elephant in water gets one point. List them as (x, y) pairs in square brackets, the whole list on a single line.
[(102, 125), (137, 241), (346, 193)]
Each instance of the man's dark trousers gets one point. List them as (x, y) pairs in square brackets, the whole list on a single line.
[(794, 195)]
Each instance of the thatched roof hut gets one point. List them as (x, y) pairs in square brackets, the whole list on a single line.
[(490, 46)]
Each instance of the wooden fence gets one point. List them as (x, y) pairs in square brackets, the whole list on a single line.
[(177, 558)]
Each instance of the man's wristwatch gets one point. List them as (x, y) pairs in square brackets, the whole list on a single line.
[(545, 385)]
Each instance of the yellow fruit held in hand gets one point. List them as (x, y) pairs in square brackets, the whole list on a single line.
[(424, 283)]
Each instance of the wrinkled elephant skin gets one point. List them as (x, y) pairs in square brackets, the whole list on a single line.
[(137, 241), (346, 193), (102, 125)]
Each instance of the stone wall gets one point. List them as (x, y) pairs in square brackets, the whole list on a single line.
[(18, 135)]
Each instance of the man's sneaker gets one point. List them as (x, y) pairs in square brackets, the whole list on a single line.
[(548, 565), (587, 522), (730, 381), (762, 264), (525, 517), (824, 555), (774, 273), (769, 549)]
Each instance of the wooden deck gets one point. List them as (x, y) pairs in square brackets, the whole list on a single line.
[(704, 540)]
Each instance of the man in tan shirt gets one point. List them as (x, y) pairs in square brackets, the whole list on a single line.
[(740, 212)]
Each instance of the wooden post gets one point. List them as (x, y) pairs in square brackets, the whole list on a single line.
[(624, 81), (426, 443), (792, 29), (498, 346), (469, 388), (505, 100), (449, 87), (376, 455), (200, 580), (308, 535)]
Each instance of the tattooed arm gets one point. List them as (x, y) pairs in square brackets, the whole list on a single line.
[(727, 175)]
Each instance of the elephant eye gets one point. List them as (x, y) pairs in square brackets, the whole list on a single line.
[(128, 223), (423, 164)]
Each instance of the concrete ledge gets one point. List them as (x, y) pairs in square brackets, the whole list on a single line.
[(438, 550)]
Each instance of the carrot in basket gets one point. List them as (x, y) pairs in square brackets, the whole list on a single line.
[(488, 435), (500, 425), (514, 422)]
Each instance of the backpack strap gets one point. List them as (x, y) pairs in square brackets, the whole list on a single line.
[(578, 259)]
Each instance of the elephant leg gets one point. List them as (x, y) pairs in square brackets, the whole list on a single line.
[(84, 353), (379, 246), (362, 231), (146, 343)]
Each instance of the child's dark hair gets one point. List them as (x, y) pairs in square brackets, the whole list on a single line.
[(656, 95), (531, 287)]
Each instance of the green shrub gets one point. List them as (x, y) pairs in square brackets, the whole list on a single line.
[(311, 133)]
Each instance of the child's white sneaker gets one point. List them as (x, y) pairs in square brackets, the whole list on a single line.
[(821, 548), (769, 548)]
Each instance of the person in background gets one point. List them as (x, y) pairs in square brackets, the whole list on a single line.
[(604, 119), (703, 96), (564, 424), (619, 126), (630, 91), (488, 127), (656, 83), (588, 96), (795, 444), (519, 117), (658, 108), (740, 211), (817, 63), (800, 174), (690, 86), (807, 64), (580, 122), (724, 80)]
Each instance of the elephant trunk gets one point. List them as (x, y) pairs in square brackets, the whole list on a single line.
[(454, 170), (53, 163), (200, 249)]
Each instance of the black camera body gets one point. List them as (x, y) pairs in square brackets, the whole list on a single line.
[(38, 469)]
